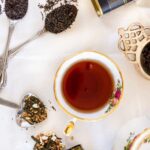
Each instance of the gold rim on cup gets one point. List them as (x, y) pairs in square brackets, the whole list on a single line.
[(89, 119)]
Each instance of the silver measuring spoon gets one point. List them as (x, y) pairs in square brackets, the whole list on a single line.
[(15, 10), (53, 23), (17, 49), (20, 121), (4, 57)]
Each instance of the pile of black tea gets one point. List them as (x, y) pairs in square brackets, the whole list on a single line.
[(145, 58), (48, 141), (51, 4), (1, 7), (60, 18), (16, 9), (34, 111)]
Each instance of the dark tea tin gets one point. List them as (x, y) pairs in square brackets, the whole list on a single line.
[(104, 6)]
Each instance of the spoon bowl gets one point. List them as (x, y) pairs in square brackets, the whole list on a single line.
[(19, 120), (23, 123)]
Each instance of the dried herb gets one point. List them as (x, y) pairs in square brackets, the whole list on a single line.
[(51, 106), (48, 141), (78, 147), (145, 58), (16, 9), (60, 18), (34, 111)]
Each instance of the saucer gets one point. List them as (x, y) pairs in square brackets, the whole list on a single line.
[(130, 131)]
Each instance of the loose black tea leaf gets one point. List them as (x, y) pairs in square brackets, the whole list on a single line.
[(60, 18), (48, 141), (34, 111), (50, 4), (16, 9), (78, 147), (145, 58), (0, 9)]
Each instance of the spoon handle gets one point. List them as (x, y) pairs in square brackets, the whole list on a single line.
[(8, 104), (5, 55), (17, 49)]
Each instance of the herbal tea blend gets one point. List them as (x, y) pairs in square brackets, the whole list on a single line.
[(16, 9), (60, 18), (34, 111), (48, 141), (145, 58)]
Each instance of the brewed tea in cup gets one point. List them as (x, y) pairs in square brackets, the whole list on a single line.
[(88, 86)]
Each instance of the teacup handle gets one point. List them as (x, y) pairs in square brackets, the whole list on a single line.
[(70, 127)]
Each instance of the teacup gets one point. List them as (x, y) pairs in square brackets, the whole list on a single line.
[(132, 42), (113, 101)]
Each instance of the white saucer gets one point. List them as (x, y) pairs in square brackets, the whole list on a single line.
[(131, 130)]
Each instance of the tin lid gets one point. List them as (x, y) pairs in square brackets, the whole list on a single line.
[(104, 6)]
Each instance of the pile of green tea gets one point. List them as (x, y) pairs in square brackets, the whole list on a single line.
[(34, 111), (48, 141)]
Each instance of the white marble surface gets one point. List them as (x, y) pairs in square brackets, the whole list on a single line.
[(33, 69)]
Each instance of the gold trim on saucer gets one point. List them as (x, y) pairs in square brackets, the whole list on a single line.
[(136, 144), (97, 7), (88, 119)]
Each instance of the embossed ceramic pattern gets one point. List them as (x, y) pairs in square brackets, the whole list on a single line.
[(114, 100), (132, 41)]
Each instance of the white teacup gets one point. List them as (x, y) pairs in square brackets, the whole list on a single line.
[(112, 103)]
